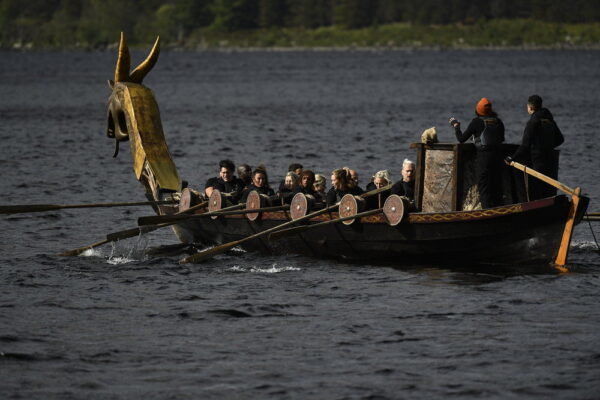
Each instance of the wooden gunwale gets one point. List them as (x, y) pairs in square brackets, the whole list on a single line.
[(427, 218)]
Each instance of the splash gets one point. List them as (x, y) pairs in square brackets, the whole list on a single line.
[(126, 255), (273, 269), (584, 245)]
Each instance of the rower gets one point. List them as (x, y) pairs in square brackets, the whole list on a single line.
[(227, 183), (289, 187), (406, 186), (260, 183), (341, 184), (380, 179)]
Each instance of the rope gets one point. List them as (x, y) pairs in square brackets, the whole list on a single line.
[(592, 230)]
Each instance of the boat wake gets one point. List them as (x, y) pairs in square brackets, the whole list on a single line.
[(273, 269)]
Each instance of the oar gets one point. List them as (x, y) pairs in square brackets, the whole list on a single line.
[(125, 234), (205, 254), (113, 237), (153, 219), (299, 229), (542, 177), (31, 208)]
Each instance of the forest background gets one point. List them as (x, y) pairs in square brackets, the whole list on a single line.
[(208, 24)]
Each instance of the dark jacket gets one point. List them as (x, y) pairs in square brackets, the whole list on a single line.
[(493, 124), (402, 188), (235, 186), (261, 190), (540, 137), (334, 195)]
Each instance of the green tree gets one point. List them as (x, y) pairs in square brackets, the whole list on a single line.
[(353, 14), (232, 15), (272, 13)]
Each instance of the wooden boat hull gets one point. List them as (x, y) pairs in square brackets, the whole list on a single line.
[(525, 233)]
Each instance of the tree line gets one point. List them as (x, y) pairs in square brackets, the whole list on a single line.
[(97, 22)]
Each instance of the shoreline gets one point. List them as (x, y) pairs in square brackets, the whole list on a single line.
[(283, 49)]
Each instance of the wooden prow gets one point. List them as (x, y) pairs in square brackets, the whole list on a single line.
[(124, 63), (134, 116)]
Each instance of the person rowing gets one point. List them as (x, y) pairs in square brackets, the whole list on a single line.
[(380, 179), (260, 183), (227, 183), (341, 184)]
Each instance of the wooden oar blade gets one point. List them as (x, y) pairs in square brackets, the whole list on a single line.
[(209, 253), (80, 250), (28, 208)]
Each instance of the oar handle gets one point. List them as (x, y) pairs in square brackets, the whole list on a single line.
[(298, 229), (543, 177), (174, 218)]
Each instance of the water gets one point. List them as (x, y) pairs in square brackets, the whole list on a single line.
[(128, 321)]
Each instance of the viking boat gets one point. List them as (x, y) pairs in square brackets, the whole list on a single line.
[(444, 224)]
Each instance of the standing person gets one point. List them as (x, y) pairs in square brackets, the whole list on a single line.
[(226, 182), (540, 137), (487, 131), (406, 187)]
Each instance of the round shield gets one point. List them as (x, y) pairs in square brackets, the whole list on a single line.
[(186, 199), (253, 202), (298, 206), (393, 209), (215, 202), (350, 205)]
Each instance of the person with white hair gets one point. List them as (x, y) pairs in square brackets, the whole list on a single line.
[(319, 186), (406, 186), (380, 179)]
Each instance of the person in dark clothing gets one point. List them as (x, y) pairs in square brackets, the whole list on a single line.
[(406, 186), (540, 137), (260, 183), (245, 173), (289, 188), (307, 180), (227, 183), (295, 168), (354, 177), (341, 184), (319, 186), (380, 179), (487, 131)]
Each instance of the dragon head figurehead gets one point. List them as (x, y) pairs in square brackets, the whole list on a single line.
[(133, 115)]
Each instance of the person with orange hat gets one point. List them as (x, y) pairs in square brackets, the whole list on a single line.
[(487, 131)]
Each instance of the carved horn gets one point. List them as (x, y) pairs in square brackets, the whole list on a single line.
[(123, 62), (142, 70)]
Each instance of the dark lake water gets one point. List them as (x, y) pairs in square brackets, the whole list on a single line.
[(123, 322)]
